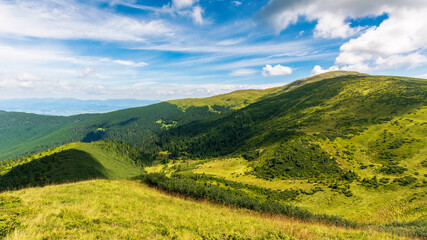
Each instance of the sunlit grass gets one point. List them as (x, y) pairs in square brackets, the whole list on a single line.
[(106, 209)]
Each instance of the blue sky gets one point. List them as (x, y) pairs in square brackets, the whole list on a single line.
[(162, 49)]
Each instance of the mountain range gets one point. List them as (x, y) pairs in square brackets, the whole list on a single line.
[(68, 106)]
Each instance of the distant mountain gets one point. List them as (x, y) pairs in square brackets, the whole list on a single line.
[(69, 106)]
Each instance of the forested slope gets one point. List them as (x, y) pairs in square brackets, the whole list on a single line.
[(302, 120), (23, 133)]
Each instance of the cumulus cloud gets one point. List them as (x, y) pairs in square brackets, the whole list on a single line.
[(277, 70), (399, 41), (318, 69), (243, 72), (331, 15), (61, 19)]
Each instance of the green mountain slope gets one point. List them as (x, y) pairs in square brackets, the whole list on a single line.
[(130, 125), (17, 128), (70, 163), (352, 146), (22, 133), (338, 107)]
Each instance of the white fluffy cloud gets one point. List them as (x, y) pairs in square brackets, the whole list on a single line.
[(399, 41), (61, 19), (331, 15), (277, 70), (318, 69)]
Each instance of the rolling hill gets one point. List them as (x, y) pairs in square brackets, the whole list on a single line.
[(70, 163), (352, 146), (23, 133)]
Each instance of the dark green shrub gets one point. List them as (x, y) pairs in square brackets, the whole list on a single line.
[(404, 181), (373, 182), (250, 155), (393, 169)]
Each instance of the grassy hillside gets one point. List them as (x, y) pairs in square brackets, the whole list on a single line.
[(348, 146), (23, 133), (70, 163), (338, 107), (105, 209)]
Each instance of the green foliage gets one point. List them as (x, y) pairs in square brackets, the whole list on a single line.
[(299, 159), (250, 155), (393, 169), (404, 181), (239, 199), (349, 176), (373, 182)]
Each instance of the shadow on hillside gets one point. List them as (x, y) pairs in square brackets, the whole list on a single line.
[(67, 166)]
